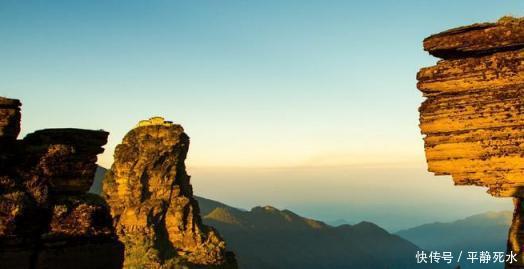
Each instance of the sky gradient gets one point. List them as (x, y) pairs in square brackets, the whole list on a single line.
[(258, 85)]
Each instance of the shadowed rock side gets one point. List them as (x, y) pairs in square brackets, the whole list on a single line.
[(47, 220), (152, 202), (472, 118), (9, 118)]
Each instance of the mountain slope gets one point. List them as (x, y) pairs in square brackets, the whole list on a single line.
[(338, 222), (207, 205), (97, 183), (266, 237), (482, 232)]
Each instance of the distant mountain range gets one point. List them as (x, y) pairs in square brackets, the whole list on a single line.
[(266, 237), (97, 183), (482, 232), (338, 222)]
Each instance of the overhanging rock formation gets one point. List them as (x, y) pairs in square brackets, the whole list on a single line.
[(47, 220), (152, 202), (472, 118)]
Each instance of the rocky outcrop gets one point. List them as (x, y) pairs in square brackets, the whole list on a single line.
[(9, 118), (152, 203), (516, 233), (47, 220), (472, 118), (477, 39)]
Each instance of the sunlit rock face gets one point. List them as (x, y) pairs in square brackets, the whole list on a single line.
[(472, 117), (47, 220), (152, 202)]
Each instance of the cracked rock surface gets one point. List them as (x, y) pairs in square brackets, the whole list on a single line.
[(47, 220), (472, 117), (151, 199)]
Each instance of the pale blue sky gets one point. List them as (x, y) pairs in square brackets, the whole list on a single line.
[(254, 83)]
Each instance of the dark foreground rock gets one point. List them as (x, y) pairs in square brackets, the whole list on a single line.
[(47, 220)]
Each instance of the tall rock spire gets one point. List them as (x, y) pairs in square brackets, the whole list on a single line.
[(152, 202)]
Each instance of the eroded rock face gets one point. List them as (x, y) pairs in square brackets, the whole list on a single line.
[(9, 118), (477, 39), (46, 218), (152, 202), (516, 233), (66, 157), (472, 118)]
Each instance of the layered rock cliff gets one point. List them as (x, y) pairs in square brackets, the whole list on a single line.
[(47, 220), (152, 202), (472, 117)]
